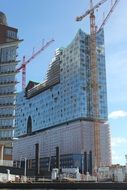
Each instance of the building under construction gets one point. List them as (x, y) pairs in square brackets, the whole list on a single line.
[(8, 45), (59, 112)]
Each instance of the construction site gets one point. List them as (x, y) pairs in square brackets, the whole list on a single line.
[(61, 122)]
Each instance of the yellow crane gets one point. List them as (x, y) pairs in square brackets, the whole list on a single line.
[(94, 73)]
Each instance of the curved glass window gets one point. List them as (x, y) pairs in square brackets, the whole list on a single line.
[(29, 125)]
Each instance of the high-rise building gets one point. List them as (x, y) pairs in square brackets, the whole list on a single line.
[(59, 111), (8, 45)]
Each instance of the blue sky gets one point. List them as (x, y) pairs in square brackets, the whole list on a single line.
[(45, 19)]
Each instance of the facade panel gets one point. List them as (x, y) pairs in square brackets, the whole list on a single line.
[(72, 139)]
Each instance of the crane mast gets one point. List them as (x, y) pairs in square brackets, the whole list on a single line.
[(94, 86)]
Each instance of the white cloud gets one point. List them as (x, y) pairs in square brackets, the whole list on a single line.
[(117, 114), (119, 145), (118, 158), (116, 141)]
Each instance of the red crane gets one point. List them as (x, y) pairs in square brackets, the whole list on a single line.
[(25, 62)]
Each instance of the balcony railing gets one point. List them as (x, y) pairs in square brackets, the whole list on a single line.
[(8, 94), (7, 116), (6, 163), (7, 105), (9, 127), (9, 83), (6, 63), (8, 73)]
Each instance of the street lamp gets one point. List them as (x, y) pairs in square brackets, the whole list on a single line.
[(24, 167)]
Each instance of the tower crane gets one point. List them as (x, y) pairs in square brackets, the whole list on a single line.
[(94, 73), (25, 62)]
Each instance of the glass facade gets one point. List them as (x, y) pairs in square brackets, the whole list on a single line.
[(68, 98), (8, 46), (48, 163)]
